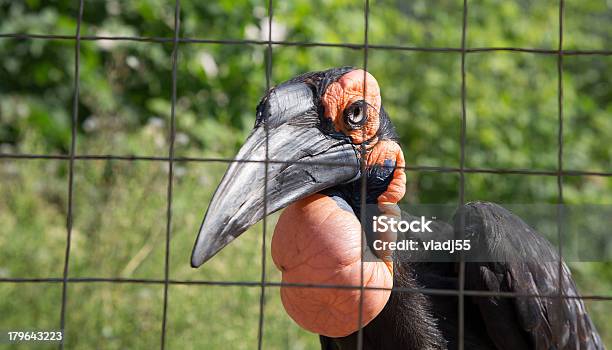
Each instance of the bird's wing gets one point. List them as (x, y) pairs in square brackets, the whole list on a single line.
[(515, 258)]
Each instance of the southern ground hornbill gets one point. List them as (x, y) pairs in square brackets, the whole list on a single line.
[(327, 132)]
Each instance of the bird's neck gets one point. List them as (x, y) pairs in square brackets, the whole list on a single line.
[(317, 241)]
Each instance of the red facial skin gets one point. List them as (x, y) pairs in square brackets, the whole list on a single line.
[(341, 94), (317, 243), (348, 89)]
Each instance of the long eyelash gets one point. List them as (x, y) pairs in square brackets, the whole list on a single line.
[(369, 106)]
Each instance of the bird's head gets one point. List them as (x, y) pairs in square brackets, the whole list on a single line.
[(313, 130)]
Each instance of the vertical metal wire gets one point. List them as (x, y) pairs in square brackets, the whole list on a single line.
[(363, 188), (363, 184), (560, 200), (73, 135), (461, 287), (262, 295), (175, 49)]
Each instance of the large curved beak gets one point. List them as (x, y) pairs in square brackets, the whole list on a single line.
[(303, 161)]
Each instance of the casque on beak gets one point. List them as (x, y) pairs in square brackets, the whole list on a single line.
[(303, 160)]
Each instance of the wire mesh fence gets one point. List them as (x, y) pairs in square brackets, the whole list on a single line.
[(172, 159)]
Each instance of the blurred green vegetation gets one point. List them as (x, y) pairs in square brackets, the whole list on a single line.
[(124, 109)]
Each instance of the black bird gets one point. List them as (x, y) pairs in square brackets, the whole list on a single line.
[(336, 117)]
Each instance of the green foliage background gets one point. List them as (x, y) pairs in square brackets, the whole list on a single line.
[(124, 109)]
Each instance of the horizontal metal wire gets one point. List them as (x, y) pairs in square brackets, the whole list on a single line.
[(560, 172), (354, 46), (414, 168), (427, 291)]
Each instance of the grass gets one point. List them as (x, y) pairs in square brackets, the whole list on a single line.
[(119, 231)]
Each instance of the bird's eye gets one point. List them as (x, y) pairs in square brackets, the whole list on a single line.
[(354, 115)]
